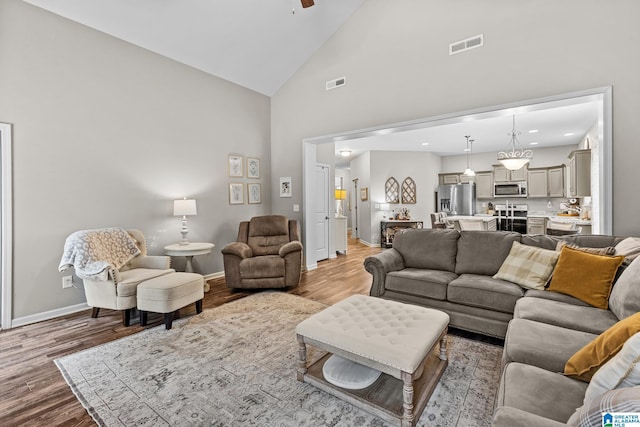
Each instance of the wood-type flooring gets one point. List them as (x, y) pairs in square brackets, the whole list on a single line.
[(34, 393)]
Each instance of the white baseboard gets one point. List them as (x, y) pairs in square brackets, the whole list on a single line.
[(371, 245), (213, 275), (47, 315)]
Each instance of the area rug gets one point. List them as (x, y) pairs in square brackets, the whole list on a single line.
[(235, 365)]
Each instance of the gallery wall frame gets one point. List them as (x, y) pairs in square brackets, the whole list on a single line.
[(253, 167), (254, 193), (236, 193), (236, 166)]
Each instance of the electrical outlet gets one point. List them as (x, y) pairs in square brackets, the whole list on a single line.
[(67, 282)]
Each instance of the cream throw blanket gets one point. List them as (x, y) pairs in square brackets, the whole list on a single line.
[(93, 252)]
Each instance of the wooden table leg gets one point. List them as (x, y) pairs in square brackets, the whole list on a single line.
[(443, 347), (408, 416), (302, 358)]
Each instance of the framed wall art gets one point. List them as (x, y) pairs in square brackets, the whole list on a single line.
[(253, 193), (253, 167), (235, 166), (236, 193), (285, 186), (364, 194)]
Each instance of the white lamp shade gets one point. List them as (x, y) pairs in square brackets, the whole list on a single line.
[(184, 207), (514, 163)]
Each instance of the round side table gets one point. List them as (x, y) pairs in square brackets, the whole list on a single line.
[(189, 251)]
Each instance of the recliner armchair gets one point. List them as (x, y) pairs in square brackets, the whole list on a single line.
[(267, 254), (119, 291)]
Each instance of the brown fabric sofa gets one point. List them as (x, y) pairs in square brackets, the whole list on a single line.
[(267, 254)]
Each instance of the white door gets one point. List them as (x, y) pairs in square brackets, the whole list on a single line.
[(321, 215)]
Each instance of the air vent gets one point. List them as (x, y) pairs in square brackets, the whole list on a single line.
[(332, 84), (466, 44)]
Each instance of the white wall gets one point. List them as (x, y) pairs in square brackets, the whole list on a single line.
[(361, 218), (395, 58), (422, 167), (108, 134)]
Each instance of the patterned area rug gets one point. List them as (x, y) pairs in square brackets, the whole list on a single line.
[(234, 365)]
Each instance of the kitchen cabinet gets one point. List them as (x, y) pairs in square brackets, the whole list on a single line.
[(484, 185), (536, 225), (538, 183), (502, 174), (465, 179), (449, 178), (546, 182), (579, 173), (555, 181)]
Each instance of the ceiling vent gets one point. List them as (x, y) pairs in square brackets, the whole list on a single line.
[(466, 44), (332, 84)]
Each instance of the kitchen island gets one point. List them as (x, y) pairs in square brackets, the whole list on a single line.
[(474, 222)]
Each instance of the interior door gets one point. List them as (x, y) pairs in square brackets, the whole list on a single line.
[(321, 215)]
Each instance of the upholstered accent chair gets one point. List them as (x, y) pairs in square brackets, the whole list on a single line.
[(119, 291), (439, 220), (267, 254)]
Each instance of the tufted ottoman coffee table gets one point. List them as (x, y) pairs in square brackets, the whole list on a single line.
[(405, 342)]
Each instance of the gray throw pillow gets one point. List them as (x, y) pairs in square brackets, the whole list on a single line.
[(625, 295)]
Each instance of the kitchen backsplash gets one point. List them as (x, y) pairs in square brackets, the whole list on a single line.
[(534, 205)]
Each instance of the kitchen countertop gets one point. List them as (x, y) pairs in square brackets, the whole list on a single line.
[(572, 219), (479, 217)]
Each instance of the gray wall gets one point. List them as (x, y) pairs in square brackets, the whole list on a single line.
[(395, 58), (108, 134)]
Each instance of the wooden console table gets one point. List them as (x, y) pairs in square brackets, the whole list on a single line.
[(388, 230)]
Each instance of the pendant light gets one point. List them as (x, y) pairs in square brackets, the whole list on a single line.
[(518, 156), (468, 171)]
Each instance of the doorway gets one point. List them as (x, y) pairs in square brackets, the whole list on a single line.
[(5, 226), (321, 213), (603, 193)]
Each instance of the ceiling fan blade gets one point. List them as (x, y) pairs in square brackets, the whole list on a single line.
[(307, 3)]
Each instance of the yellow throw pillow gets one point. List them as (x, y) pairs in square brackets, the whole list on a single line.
[(592, 356), (585, 276)]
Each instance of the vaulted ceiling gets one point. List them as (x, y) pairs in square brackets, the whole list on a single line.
[(258, 44)]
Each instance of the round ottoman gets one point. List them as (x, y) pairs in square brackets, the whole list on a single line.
[(169, 293)]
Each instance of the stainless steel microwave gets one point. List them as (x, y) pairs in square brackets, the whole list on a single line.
[(510, 189)]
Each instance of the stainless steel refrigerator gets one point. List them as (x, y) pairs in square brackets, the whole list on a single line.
[(457, 199)]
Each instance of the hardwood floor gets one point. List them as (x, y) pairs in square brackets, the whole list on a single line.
[(34, 393)]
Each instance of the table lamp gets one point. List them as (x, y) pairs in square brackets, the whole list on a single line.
[(340, 195), (184, 208)]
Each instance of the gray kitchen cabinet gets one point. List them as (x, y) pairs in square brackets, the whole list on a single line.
[(579, 173), (555, 181), (449, 178), (502, 174), (538, 183), (536, 225), (484, 185), (464, 179)]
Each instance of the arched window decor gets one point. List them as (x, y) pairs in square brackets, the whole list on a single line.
[(408, 191), (392, 191)]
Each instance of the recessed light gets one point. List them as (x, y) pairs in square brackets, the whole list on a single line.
[(569, 134), (425, 143), (467, 149), (534, 143), (534, 131), (345, 153)]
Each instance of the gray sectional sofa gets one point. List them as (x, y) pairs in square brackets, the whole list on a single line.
[(452, 271)]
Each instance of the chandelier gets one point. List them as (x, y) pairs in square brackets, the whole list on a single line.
[(468, 171), (517, 157)]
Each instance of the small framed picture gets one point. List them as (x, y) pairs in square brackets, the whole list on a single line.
[(235, 166), (253, 167), (364, 194), (253, 193), (236, 193), (285, 186)]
